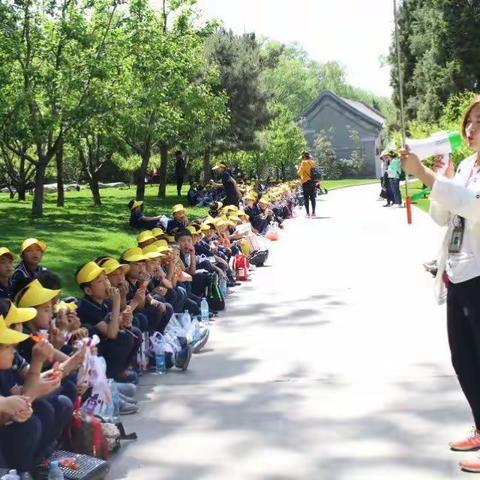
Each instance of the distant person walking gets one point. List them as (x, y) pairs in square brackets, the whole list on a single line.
[(180, 170), (394, 172), (306, 173)]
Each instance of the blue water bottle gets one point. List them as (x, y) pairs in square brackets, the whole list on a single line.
[(160, 366), (204, 311)]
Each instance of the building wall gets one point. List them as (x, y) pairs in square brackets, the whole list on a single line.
[(331, 116)]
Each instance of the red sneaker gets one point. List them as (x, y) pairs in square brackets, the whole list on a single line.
[(472, 466), (468, 444)]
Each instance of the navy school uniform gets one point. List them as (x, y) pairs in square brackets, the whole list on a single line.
[(6, 291), (22, 272), (156, 321), (51, 416), (119, 352), (139, 222), (174, 226)]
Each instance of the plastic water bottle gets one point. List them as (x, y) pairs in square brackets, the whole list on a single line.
[(116, 402), (196, 329), (11, 475), (442, 143), (223, 286), (55, 472), (204, 311), (186, 320), (160, 365)]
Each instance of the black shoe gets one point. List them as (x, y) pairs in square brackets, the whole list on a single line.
[(388, 205), (183, 357)]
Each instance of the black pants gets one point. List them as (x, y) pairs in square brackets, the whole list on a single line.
[(20, 444), (120, 352), (309, 196), (463, 324), (179, 185)]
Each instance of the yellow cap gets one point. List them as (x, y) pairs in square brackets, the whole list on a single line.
[(157, 232), (209, 220), (241, 213), (33, 241), (9, 336), (145, 236), (89, 272), (134, 254), (111, 264), (34, 294), (219, 165), (64, 306), (161, 243), (205, 227), (19, 315), (151, 252), (225, 221), (230, 208), (136, 203), (171, 239), (178, 208), (193, 230), (6, 251), (234, 218), (163, 249), (250, 196), (264, 201)]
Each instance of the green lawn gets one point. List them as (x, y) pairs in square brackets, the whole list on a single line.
[(348, 182), (413, 188), (80, 232)]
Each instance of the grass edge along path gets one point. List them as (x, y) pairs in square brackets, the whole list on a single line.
[(414, 187), (347, 182)]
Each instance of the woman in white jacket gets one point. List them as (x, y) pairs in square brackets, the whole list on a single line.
[(455, 202)]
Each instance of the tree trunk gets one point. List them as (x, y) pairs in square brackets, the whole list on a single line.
[(162, 186), (60, 182), (207, 171), (37, 202), (93, 184), (283, 172), (22, 191), (143, 173)]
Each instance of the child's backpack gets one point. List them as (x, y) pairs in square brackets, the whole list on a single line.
[(241, 266), (86, 435), (215, 298)]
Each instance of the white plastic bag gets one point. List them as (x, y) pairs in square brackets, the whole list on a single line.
[(159, 344)]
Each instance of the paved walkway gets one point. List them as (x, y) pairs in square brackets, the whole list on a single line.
[(332, 364)]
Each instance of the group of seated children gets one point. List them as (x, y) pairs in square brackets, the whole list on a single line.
[(124, 303)]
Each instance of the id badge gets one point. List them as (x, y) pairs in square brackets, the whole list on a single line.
[(456, 240)]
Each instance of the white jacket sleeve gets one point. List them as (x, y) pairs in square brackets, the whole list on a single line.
[(439, 215), (456, 199)]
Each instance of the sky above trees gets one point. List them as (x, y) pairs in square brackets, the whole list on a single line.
[(355, 33)]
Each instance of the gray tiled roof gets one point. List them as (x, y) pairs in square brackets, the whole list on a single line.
[(360, 108)]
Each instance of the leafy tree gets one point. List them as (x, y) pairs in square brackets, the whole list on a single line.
[(53, 58), (325, 156), (440, 52)]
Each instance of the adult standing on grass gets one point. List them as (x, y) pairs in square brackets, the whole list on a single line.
[(306, 173), (232, 194), (180, 170), (455, 202)]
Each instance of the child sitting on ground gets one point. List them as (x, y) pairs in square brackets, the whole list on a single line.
[(32, 251), (6, 271)]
